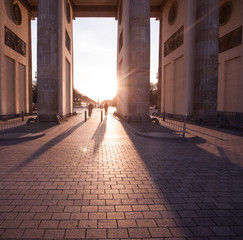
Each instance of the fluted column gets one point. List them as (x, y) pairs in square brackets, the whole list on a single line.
[(206, 65), (47, 59), (139, 59), (159, 99)]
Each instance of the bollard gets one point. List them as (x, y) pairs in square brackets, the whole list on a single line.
[(22, 115), (184, 127), (85, 116), (101, 116)]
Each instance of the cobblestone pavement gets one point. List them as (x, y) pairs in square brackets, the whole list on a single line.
[(99, 180)]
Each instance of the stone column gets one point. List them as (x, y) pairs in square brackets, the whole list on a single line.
[(47, 59), (206, 64), (30, 95), (159, 103), (139, 60)]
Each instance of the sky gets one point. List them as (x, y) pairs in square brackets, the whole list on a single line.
[(95, 55)]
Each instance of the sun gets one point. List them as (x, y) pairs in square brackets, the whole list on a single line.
[(107, 88)]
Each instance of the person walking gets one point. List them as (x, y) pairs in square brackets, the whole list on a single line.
[(106, 108)]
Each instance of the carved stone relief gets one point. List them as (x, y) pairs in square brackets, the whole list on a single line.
[(175, 41), (16, 13), (14, 42), (225, 12), (173, 12), (230, 40)]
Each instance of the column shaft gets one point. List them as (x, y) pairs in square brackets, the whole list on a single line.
[(206, 65), (159, 100), (139, 59), (47, 59)]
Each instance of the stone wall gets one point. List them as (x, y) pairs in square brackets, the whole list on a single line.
[(176, 66), (15, 80), (230, 81)]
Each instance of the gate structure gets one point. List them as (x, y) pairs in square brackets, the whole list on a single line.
[(200, 55)]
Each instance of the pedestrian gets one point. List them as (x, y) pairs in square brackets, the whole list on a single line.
[(106, 108), (90, 107)]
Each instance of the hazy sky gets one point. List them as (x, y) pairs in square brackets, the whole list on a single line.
[(95, 55)]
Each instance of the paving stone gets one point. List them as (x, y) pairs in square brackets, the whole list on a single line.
[(75, 233), (202, 231), (12, 233), (54, 234), (138, 232), (117, 233), (33, 233), (107, 223), (222, 231), (100, 180), (96, 233), (160, 232)]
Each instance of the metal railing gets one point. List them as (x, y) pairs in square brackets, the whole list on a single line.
[(230, 120), (11, 121), (176, 123)]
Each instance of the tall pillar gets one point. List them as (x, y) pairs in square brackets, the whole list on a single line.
[(134, 60), (206, 64), (47, 59), (55, 59), (159, 100), (30, 94)]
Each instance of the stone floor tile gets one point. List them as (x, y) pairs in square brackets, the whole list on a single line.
[(107, 223), (75, 233), (33, 234), (96, 233), (138, 232), (49, 224), (12, 233), (87, 224), (222, 231), (54, 234)]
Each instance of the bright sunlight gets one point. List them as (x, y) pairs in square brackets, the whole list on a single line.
[(95, 57)]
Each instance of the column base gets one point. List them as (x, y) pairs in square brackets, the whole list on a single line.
[(131, 118), (48, 117)]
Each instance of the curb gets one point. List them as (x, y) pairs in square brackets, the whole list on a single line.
[(152, 135), (20, 136)]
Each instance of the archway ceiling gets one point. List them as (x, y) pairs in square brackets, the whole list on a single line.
[(95, 8)]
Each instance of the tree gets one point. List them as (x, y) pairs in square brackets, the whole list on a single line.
[(34, 92), (79, 97), (153, 93)]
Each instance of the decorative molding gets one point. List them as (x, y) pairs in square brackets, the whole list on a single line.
[(225, 12), (16, 13), (230, 40), (175, 41), (14, 42), (173, 12), (67, 41)]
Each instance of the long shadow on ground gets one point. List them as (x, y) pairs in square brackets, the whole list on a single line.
[(47, 146), (202, 193)]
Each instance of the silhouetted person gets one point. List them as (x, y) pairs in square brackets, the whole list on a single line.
[(106, 108), (90, 107)]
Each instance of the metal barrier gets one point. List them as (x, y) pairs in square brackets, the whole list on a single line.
[(11, 121), (230, 120), (176, 123)]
